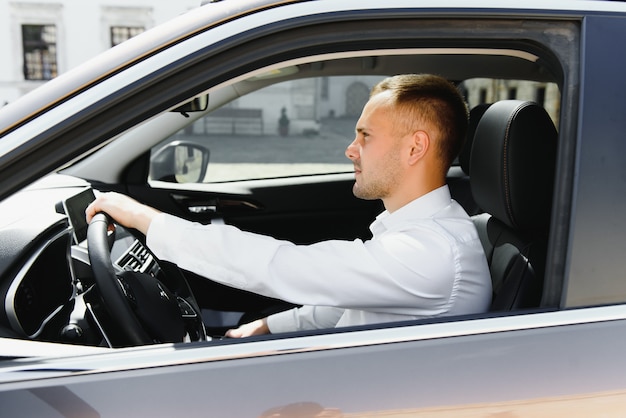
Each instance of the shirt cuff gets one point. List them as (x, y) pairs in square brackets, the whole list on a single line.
[(304, 318), (282, 322)]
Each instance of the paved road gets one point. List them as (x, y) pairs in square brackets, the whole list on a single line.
[(327, 147)]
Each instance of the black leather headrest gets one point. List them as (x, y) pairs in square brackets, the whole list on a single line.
[(512, 163)]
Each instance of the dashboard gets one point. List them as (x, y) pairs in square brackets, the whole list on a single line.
[(42, 286), (46, 282)]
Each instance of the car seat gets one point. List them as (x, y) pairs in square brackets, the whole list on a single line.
[(512, 175)]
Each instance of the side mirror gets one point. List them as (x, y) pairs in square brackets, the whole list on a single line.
[(197, 104), (180, 162)]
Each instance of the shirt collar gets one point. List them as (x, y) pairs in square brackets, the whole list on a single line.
[(423, 207)]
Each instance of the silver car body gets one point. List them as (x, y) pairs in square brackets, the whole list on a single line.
[(565, 359)]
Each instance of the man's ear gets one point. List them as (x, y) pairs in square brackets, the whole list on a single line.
[(420, 143)]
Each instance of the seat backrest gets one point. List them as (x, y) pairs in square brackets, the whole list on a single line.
[(512, 164)]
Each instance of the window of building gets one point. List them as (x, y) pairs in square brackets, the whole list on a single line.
[(40, 51), (120, 34)]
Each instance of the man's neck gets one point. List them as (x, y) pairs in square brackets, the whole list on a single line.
[(393, 203)]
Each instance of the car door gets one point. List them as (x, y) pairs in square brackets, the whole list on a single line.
[(554, 359)]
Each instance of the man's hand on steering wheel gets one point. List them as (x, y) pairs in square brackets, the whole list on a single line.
[(124, 210)]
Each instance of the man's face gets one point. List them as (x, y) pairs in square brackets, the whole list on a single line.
[(375, 151)]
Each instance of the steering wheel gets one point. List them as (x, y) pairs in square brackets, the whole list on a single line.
[(142, 309)]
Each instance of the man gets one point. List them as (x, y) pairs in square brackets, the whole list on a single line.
[(424, 260)]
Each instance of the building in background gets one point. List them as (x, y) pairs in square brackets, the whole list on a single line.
[(483, 90), (43, 38)]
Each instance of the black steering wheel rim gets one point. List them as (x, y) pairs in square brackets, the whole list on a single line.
[(112, 295)]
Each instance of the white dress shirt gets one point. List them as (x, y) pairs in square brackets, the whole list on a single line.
[(424, 260)]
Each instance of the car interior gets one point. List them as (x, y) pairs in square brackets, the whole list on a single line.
[(503, 178)]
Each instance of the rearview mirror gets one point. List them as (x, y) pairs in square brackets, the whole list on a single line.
[(197, 104), (180, 162)]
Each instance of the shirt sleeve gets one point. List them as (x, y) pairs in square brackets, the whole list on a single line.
[(304, 318), (393, 274)]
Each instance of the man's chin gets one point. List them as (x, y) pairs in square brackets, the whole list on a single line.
[(362, 194)]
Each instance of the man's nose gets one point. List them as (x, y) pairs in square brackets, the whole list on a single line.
[(351, 151)]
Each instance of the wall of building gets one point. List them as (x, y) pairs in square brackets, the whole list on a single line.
[(83, 30)]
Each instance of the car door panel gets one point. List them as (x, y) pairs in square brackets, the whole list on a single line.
[(492, 365)]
